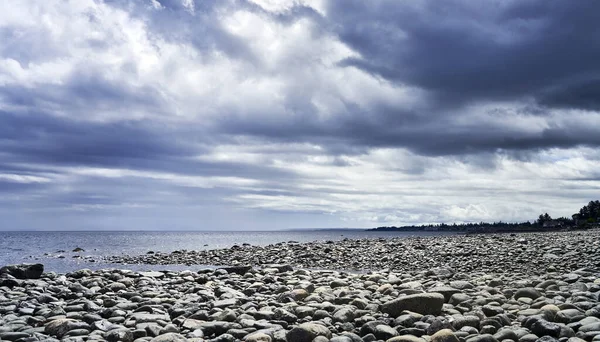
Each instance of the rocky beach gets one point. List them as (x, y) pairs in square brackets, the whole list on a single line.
[(477, 288), (531, 253)]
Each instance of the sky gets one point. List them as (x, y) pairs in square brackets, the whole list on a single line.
[(267, 114)]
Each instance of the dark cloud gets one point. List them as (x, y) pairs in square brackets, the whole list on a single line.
[(538, 55), (9, 187), (43, 139), (488, 82), (581, 95), (465, 51), (86, 93)]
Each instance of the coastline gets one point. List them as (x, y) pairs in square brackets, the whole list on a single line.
[(454, 289), (531, 252)]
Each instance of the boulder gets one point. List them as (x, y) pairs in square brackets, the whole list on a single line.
[(241, 270), (482, 338), (306, 332), (444, 335), (119, 335), (545, 328), (59, 327), (23, 271), (527, 292), (422, 303), (169, 337)]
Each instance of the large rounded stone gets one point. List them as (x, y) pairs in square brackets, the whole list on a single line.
[(384, 332), (306, 332), (423, 303), (59, 327), (482, 338), (169, 337), (406, 338), (545, 328), (569, 316), (527, 292), (444, 335), (23, 271), (258, 337), (119, 335), (590, 327)]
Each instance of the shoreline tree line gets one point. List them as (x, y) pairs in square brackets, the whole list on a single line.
[(586, 218)]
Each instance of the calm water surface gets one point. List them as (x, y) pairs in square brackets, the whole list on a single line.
[(46, 247)]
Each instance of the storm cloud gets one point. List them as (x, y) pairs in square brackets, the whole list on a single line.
[(261, 114)]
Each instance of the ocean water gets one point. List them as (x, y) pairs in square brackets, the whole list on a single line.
[(55, 249)]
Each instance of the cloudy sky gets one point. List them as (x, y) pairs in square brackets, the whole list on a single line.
[(276, 114)]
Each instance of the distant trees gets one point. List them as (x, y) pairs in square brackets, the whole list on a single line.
[(543, 218), (588, 216), (590, 213)]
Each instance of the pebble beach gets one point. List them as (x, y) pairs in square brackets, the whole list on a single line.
[(477, 288)]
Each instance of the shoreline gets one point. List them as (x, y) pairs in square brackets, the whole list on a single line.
[(498, 252), (484, 297)]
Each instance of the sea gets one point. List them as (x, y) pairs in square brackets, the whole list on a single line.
[(56, 249)]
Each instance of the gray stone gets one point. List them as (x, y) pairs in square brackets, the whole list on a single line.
[(59, 327), (119, 335), (384, 332), (405, 338), (306, 332), (482, 338), (23, 271), (444, 335), (258, 337), (13, 335), (545, 328), (506, 334), (590, 327), (425, 304), (527, 292), (169, 337)]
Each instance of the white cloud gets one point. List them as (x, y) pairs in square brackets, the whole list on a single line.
[(273, 120)]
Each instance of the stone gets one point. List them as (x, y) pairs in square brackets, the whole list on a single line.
[(23, 271), (169, 337), (482, 338), (569, 316), (241, 270), (444, 335), (492, 310), (191, 324), (152, 274), (545, 328), (257, 337), (424, 303), (437, 324), (60, 327), (342, 339), (546, 339), (446, 291), (306, 332), (384, 332), (224, 303), (528, 338), (527, 292), (458, 298), (590, 327), (406, 338), (344, 314), (119, 335), (13, 335), (506, 334), (466, 321)]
